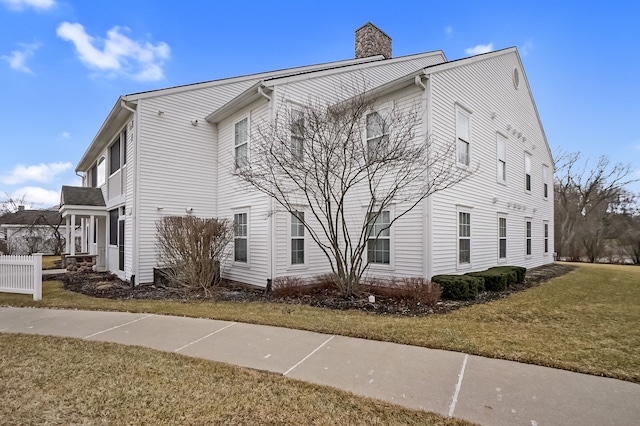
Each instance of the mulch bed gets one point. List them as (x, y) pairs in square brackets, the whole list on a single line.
[(109, 286)]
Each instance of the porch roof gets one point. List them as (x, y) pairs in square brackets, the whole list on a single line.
[(82, 201)]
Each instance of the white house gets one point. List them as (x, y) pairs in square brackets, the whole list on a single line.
[(172, 151)]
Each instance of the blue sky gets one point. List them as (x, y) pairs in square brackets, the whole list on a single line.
[(64, 63)]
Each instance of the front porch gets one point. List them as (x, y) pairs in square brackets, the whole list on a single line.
[(85, 213)]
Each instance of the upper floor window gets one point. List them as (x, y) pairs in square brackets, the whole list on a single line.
[(242, 142), (545, 181), (101, 169), (377, 134), (114, 156), (463, 137), (93, 176), (297, 238), (297, 134), (502, 158), (379, 243), (527, 171)]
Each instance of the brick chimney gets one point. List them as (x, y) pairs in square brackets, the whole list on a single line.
[(372, 41)]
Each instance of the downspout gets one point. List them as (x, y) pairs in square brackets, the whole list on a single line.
[(426, 228), (271, 216), (428, 207), (134, 209)]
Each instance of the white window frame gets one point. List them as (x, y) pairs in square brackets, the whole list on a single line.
[(390, 237), (297, 139), (246, 237), (545, 181), (528, 233), (292, 237), (460, 235), (381, 138), (545, 228), (528, 180), (245, 143), (101, 171), (501, 158), (463, 159), (505, 237)]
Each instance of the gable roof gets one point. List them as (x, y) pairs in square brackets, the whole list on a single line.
[(81, 196)]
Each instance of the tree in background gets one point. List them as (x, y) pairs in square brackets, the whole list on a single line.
[(587, 199), (347, 163)]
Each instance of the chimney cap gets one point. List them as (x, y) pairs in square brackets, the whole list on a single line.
[(369, 23)]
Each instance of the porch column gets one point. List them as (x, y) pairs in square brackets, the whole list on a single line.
[(83, 235), (72, 252), (92, 230), (67, 234)]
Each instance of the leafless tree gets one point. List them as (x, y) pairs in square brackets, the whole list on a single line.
[(192, 249), (346, 163), (11, 202), (586, 195)]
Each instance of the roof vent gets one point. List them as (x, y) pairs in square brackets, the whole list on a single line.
[(372, 41)]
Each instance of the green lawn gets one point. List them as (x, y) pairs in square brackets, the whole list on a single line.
[(49, 262), (586, 321), (61, 381)]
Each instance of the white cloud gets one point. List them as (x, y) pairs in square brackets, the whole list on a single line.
[(39, 196), (18, 58), (448, 30), (64, 135), (22, 4), (526, 48), (479, 49), (39, 173), (139, 60)]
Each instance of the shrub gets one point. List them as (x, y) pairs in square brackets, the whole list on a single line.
[(459, 287), (519, 272), (494, 280), (191, 249), (287, 286), (421, 291)]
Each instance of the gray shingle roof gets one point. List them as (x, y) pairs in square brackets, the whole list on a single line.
[(81, 196), (31, 217)]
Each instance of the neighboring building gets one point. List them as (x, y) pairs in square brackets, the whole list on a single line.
[(172, 152), (32, 231)]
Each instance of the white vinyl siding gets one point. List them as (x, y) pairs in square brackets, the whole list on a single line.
[(463, 137), (241, 138), (501, 159)]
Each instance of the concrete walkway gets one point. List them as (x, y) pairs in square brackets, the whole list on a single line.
[(483, 390)]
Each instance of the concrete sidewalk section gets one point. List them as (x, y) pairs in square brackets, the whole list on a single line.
[(483, 390)]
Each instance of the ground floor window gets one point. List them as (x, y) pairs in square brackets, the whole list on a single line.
[(240, 231), (546, 237), (502, 238), (464, 237), (528, 229), (379, 242), (297, 238)]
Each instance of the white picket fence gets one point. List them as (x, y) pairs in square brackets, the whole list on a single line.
[(21, 274)]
